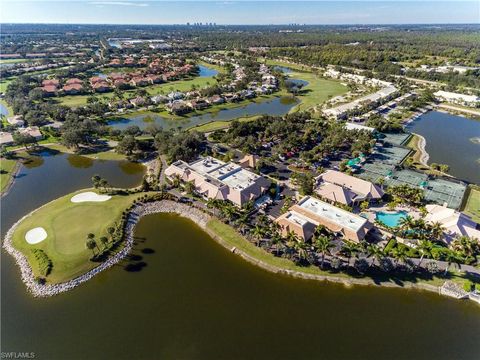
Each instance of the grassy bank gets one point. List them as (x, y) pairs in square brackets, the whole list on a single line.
[(232, 239), (104, 154), (472, 207), (317, 91), (219, 125), (67, 225), (7, 169)]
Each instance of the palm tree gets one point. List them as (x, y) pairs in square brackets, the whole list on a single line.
[(451, 257), (176, 180), (466, 246), (189, 187), (323, 244), (301, 250), (277, 241), (406, 223), (376, 252), (91, 244), (400, 254), (425, 248), (436, 231), (111, 231), (349, 249), (258, 233), (104, 241)]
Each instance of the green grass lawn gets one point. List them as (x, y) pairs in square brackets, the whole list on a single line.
[(7, 167), (179, 85), (14, 61), (67, 225), (317, 91), (233, 239), (100, 155), (472, 208), (218, 125)]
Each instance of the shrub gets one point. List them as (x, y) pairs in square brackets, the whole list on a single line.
[(43, 261), (468, 286)]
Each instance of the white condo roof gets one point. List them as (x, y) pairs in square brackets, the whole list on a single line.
[(332, 213)]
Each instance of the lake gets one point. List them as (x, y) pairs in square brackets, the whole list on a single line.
[(275, 106), (205, 71), (189, 298), (45, 178), (452, 140), (3, 110)]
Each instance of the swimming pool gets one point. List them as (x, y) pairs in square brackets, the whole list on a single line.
[(390, 219)]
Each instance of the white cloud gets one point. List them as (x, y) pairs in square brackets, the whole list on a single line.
[(117, 3)]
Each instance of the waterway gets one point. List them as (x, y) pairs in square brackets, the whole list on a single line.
[(452, 140), (182, 296), (275, 106), (3, 110), (47, 177), (205, 71)]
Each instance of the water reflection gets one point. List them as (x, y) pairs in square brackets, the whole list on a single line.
[(276, 106), (81, 162)]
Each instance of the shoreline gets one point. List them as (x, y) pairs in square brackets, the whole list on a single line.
[(421, 145), (11, 181), (198, 217)]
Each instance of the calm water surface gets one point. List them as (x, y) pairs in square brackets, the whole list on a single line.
[(452, 140), (3, 110), (192, 299), (275, 106), (206, 71), (45, 178)]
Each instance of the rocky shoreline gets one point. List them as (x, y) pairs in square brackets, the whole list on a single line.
[(45, 290), (201, 219)]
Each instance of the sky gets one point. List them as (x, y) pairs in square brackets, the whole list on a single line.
[(240, 12)]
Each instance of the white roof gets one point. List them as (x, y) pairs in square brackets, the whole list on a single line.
[(332, 213), (456, 96), (353, 126)]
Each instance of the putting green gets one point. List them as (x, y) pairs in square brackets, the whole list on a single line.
[(67, 225)]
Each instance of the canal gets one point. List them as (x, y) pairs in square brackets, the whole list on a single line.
[(452, 140), (275, 106)]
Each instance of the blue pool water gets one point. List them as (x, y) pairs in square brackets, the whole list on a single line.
[(390, 219)]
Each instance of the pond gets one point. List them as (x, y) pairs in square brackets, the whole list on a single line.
[(452, 140), (287, 71), (3, 110), (182, 296), (206, 71), (275, 106), (44, 178)]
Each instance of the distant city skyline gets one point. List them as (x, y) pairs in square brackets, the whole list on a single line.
[(240, 12)]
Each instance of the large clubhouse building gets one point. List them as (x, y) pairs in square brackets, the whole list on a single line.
[(215, 179), (335, 186), (304, 217)]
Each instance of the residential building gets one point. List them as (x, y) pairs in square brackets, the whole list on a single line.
[(6, 138), (33, 131), (453, 222), (336, 186), (304, 217), (16, 120), (457, 98), (215, 179)]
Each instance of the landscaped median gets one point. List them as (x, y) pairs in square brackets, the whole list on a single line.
[(67, 225)]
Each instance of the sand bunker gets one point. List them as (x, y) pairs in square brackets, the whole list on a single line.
[(89, 196), (35, 235)]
